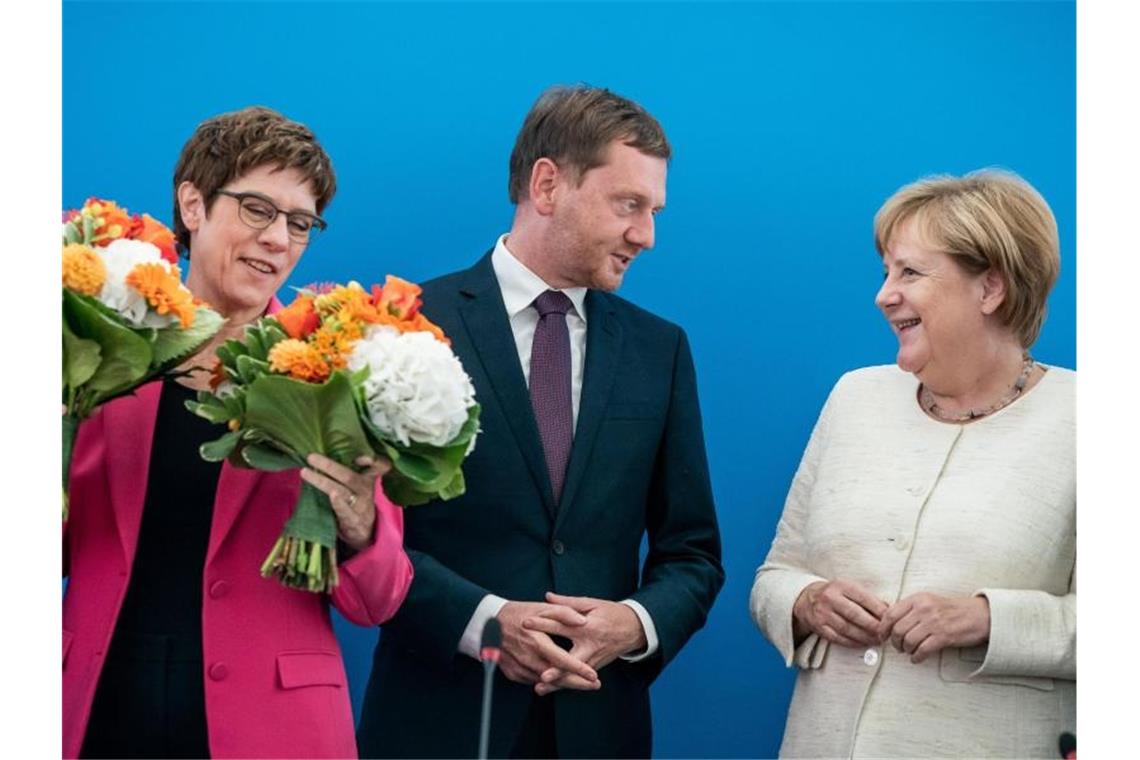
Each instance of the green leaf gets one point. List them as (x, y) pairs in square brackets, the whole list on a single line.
[(173, 345), (457, 487), (80, 358), (404, 492), (225, 355), (216, 451), (254, 342), (308, 418), (71, 234), (263, 456), (126, 356), (209, 407), (234, 348), (235, 403), (422, 472), (249, 369), (274, 333), (418, 468)]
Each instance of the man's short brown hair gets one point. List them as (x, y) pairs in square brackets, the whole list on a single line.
[(573, 126), (232, 144)]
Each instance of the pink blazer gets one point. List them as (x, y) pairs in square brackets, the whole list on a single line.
[(274, 678)]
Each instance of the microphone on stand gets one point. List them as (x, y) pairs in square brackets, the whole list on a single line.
[(1068, 746), (490, 648)]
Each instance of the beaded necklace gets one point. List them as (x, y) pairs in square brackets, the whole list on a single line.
[(930, 406)]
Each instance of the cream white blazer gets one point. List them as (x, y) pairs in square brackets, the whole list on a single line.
[(902, 503)]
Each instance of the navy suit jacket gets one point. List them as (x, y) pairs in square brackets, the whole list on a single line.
[(637, 469)]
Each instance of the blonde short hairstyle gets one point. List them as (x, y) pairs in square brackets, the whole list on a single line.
[(986, 219)]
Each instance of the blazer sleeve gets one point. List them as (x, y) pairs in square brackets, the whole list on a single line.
[(682, 573), (374, 582), (1032, 633), (784, 573)]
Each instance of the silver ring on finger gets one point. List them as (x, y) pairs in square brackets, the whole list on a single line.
[(351, 499)]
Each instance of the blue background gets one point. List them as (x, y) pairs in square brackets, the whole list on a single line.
[(791, 123)]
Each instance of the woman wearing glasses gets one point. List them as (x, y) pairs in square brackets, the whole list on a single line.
[(173, 645)]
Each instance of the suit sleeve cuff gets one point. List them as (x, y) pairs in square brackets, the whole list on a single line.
[(650, 632), (473, 634)]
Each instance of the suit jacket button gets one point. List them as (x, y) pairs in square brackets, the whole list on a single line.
[(218, 589), (219, 671), (558, 547)]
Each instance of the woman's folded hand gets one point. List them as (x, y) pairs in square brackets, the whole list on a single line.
[(923, 624), (842, 611)]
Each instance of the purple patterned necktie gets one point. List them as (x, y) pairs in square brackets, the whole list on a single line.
[(550, 384)]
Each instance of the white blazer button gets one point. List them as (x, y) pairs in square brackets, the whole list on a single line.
[(871, 657)]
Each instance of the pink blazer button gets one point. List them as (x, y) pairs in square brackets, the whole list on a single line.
[(218, 671), (218, 589)]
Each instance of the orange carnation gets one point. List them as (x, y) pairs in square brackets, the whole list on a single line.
[(83, 270), (149, 230), (299, 318), (298, 360), (163, 290)]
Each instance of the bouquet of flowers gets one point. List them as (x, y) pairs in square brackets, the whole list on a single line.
[(127, 318), (346, 373)]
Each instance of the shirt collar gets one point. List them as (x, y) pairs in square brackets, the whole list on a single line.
[(521, 286)]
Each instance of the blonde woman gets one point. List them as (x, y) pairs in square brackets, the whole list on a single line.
[(922, 578)]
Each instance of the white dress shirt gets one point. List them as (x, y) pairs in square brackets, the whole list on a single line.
[(520, 287)]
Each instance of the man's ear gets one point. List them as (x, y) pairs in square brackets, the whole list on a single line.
[(993, 291), (545, 177), (191, 206)]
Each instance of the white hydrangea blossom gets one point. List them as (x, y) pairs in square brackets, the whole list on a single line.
[(120, 257), (416, 389)]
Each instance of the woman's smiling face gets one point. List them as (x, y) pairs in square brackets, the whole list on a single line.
[(933, 305), (235, 268)]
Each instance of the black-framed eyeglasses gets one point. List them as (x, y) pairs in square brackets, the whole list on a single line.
[(259, 212)]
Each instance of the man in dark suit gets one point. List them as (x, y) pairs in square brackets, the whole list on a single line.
[(591, 441)]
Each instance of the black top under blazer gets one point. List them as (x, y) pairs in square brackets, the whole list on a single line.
[(637, 468)]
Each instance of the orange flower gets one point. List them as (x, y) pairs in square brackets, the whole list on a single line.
[(334, 341), (149, 230), (358, 311), (420, 323), (298, 360), (163, 290), (299, 318), (332, 301), (111, 221), (218, 375), (83, 270), (399, 298)]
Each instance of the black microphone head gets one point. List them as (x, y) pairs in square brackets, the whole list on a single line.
[(492, 635), (1068, 744)]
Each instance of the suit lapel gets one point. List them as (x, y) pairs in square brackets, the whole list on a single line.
[(603, 349), (485, 318), (235, 486), (129, 426)]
